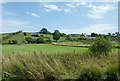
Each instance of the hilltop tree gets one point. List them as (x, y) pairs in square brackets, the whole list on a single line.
[(109, 34), (94, 34), (44, 31), (56, 35), (117, 33)]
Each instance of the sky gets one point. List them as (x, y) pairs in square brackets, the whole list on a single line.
[(67, 17)]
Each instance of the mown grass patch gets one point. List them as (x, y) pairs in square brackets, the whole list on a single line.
[(46, 48)]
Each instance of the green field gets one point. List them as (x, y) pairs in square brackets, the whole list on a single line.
[(48, 61), (30, 48), (28, 64)]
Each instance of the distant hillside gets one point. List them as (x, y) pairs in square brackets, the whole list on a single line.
[(21, 37)]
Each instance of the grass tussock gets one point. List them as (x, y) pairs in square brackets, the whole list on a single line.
[(60, 66)]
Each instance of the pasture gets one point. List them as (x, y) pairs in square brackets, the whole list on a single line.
[(46, 48)]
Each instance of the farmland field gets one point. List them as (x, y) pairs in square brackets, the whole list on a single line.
[(30, 48)]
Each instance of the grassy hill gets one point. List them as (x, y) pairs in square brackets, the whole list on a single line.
[(20, 36)]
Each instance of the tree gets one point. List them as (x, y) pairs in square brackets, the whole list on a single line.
[(117, 33), (101, 45), (14, 42), (44, 31), (10, 41), (109, 34), (56, 35), (24, 33), (94, 34), (40, 40), (29, 39)]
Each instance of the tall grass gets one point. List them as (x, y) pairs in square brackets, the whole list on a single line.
[(55, 66)]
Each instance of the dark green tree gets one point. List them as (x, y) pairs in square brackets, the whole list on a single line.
[(29, 39), (44, 31), (56, 35), (10, 41), (94, 34), (24, 33), (109, 34), (40, 40), (14, 42)]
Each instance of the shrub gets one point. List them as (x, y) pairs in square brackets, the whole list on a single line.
[(25, 33), (112, 73), (40, 40), (101, 45), (90, 74), (14, 41), (35, 35), (10, 42), (29, 39), (48, 41)]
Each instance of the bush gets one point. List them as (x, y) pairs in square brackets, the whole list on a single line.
[(40, 40), (10, 42), (101, 45), (14, 42), (48, 41), (112, 73), (29, 39), (90, 74), (25, 33), (35, 35)]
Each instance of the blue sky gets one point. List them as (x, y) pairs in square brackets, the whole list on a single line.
[(67, 17)]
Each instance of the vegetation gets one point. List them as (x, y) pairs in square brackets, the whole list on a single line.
[(55, 66), (56, 35), (24, 33), (101, 45), (44, 31), (37, 56), (29, 39)]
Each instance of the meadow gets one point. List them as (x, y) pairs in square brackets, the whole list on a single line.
[(46, 61), (63, 59)]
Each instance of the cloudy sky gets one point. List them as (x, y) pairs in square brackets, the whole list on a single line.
[(67, 17)]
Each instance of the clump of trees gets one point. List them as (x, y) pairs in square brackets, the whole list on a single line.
[(101, 45), (13, 41), (39, 40), (56, 35)]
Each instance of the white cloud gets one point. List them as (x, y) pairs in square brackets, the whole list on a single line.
[(33, 14), (14, 23), (70, 5), (99, 11), (27, 12), (97, 28), (52, 7), (67, 10), (81, 3)]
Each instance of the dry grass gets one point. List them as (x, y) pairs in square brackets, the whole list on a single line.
[(61, 66)]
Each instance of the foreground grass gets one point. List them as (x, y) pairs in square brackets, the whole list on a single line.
[(60, 66)]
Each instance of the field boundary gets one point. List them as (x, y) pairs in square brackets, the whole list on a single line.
[(114, 46)]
